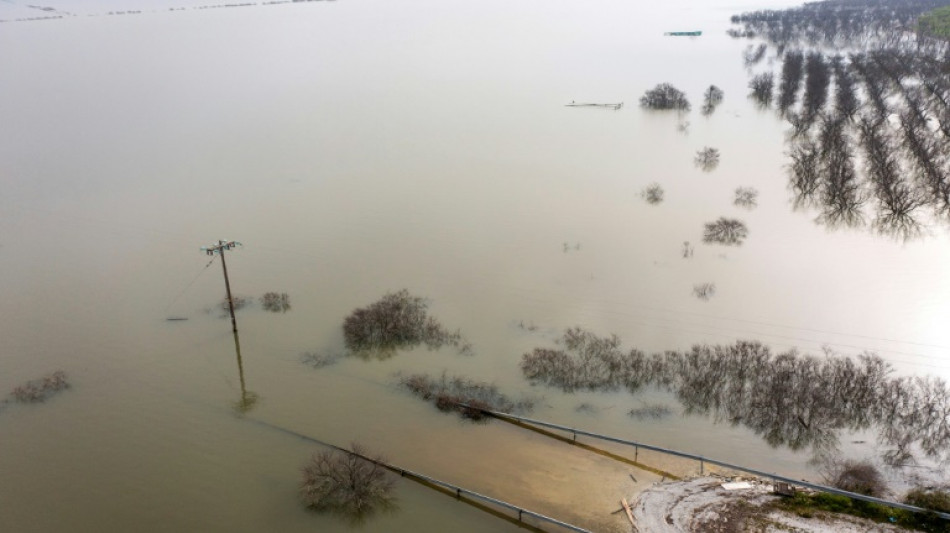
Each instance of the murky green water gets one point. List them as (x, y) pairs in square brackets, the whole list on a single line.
[(358, 148)]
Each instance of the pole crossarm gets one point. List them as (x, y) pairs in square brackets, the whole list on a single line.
[(219, 249), (220, 246)]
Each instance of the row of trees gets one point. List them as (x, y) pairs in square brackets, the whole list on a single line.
[(870, 135), (789, 399)]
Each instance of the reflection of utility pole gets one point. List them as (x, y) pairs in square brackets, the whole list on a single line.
[(219, 249), (248, 398)]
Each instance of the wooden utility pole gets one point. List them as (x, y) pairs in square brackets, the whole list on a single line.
[(219, 249)]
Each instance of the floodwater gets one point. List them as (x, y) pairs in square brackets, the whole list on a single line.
[(358, 148)]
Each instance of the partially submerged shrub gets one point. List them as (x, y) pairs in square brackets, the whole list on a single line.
[(652, 411), (728, 231), (861, 477), (711, 99), (653, 194), (762, 86), (320, 359), (347, 483), (446, 394), (707, 158), (704, 291), (40, 390), (398, 320), (664, 97), (275, 303), (746, 197)]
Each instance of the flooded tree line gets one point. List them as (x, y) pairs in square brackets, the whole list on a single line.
[(789, 399), (870, 126)]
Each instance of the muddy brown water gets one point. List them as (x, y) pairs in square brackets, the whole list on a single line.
[(358, 148)]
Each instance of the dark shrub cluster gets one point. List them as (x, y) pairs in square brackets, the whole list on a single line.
[(728, 231), (653, 194), (41, 389), (711, 99), (707, 158), (275, 302), (860, 477), (350, 484), (746, 197), (762, 85), (665, 97), (448, 393), (398, 320)]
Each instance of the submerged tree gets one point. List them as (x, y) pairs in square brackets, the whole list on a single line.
[(41, 389), (728, 231), (704, 291), (665, 97), (897, 200), (653, 194), (398, 320), (841, 197), (348, 483), (711, 99), (276, 302), (746, 197), (465, 396), (792, 71), (762, 86), (707, 158)]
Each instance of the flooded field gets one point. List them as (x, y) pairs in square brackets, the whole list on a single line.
[(359, 149)]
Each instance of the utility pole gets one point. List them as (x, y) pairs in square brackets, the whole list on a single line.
[(219, 248)]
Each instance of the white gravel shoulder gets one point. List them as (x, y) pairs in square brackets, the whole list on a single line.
[(701, 504)]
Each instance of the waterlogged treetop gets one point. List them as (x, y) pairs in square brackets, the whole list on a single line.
[(664, 97), (789, 399), (397, 320)]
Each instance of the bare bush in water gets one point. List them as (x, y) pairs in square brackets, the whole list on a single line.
[(653, 194), (347, 484), (586, 362), (275, 302), (665, 97), (398, 320), (650, 411), (707, 158), (746, 197), (711, 99), (704, 291), (41, 389), (448, 393), (762, 86), (728, 231), (861, 477)]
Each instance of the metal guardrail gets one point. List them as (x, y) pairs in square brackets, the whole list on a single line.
[(457, 490), (702, 460)]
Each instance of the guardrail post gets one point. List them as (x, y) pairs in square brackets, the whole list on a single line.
[(701, 466), (636, 454), (519, 514), (458, 494)]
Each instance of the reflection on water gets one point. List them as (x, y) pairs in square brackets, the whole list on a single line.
[(248, 398)]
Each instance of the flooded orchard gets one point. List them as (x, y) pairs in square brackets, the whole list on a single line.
[(426, 221)]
